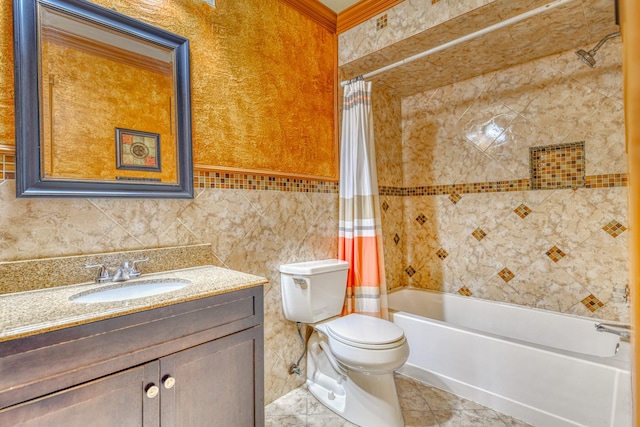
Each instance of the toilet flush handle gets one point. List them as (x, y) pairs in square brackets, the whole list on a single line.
[(300, 282)]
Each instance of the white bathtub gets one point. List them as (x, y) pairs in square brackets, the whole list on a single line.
[(545, 368)]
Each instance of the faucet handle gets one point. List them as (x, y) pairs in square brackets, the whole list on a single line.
[(103, 272), (135, 271)]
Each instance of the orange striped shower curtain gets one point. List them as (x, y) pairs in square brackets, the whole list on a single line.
[(360, 230)]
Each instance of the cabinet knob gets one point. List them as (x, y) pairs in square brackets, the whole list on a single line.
[(168, 381), (152, 390)]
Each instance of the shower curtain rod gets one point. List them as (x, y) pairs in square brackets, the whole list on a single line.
[(501, 24)]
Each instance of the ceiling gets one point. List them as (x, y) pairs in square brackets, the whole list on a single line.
[(579, 24), (338, 5)]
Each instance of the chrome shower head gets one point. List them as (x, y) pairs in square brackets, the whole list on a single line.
[(587, 57)]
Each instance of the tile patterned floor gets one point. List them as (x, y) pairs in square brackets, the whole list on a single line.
[(422, 406)]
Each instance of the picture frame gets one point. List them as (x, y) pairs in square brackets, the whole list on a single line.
[(137, 150)]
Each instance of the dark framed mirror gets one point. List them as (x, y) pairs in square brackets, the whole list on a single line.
[(103, 104)]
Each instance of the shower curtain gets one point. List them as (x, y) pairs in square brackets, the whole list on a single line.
[(360, 230)]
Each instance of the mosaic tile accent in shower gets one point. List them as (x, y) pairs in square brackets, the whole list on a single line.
[(421, 219), (442, 254), (479, 234), (614, 228), (522, 211), (506, 274), (592, 303), (239, 181), (557, 166), (410, 271), (455, 198), (555, 254), (607, 180), (465, 291), (466, 188), (7, 166), (591, 181), (382, 22), (385, 206), (396, 239), (391, 191)]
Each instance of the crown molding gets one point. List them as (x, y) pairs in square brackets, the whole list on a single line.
[(345, 20), (316, 11), (361, 12)]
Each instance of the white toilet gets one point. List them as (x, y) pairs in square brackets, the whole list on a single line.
[(350, 359)]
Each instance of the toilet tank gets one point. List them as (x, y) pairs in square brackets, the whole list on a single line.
[(313, 291)]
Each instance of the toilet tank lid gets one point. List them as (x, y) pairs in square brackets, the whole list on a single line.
[(314, 267)]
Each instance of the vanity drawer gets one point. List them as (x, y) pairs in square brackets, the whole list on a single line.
[(36, 365)]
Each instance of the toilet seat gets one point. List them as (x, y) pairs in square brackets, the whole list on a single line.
[(365, 332)]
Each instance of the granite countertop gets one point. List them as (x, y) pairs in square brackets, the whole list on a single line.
[(33, 312)]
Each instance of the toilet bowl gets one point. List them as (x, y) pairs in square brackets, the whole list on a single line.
[(366, 343), (350, 359)]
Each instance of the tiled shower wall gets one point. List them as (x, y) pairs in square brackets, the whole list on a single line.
[(465, 218), (250, 230)]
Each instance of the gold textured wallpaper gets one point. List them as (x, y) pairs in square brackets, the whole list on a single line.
[(262, 82), (7, 129)]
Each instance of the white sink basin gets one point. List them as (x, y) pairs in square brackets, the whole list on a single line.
[(127, 291)]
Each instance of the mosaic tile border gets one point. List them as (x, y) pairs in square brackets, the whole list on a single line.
[(275, 183), (232, 181), (591, 181), (7, 166), (243, 181)]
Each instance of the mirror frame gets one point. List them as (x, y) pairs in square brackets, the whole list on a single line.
[(29, 182)]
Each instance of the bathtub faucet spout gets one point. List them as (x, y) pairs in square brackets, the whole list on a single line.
[(622, 331)]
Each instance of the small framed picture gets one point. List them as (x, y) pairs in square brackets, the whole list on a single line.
[(136, 150)]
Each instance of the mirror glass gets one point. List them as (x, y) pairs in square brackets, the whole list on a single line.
[(102, 104)]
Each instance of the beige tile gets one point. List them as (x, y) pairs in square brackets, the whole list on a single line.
[(485, 122), (516, 243), (219, 217), (566, 219), (613, 202), (600, 264), (473, 264), (546, 284), (468, 417), (439, 400), (35, 228), (604, 139), (496, 289), (144, 219), (419, 418)]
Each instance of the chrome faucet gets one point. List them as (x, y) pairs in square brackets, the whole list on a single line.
[(135, 270), (103, 272), (623, 331), (124, 272)]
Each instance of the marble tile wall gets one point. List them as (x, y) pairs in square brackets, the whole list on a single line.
[(387, 111), (249, 230), (464, 226), (413, 27), (366, 38)]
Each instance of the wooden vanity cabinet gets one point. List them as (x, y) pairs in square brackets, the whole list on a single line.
[(165, 367)]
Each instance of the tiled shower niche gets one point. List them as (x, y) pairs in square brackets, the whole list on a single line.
[(557, 166)]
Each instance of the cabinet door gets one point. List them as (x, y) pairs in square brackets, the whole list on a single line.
[(217, 384), (115, 400)]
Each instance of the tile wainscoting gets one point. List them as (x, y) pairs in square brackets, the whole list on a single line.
[(253, 231)]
